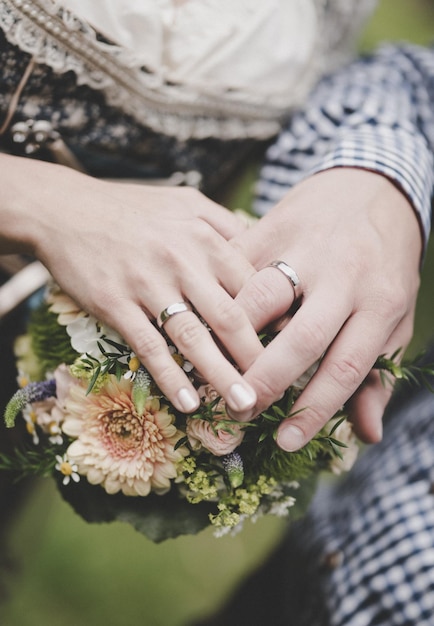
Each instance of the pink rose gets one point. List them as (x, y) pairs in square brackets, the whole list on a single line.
[(219, 442), (207, 393)]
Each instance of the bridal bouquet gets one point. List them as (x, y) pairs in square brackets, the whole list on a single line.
[(96, 421)]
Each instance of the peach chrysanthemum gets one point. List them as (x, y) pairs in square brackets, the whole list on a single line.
[(117, 447)]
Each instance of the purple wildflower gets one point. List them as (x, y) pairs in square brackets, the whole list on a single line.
[(233, 465), (33, 392)]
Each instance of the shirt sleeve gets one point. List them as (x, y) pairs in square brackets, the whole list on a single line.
[(376, 113)]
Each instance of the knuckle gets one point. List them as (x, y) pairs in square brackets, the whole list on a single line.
[(187, 333), (148, 345), (392, 303), (168, 376), (229, 316), (311, 339), (346, 372), (266, 391), (263, 297), (406, 331), (399, 302), (311, 420)]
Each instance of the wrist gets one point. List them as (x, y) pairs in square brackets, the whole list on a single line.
[(27, 203)]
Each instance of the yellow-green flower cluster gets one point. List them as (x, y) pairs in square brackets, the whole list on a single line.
[(243, 501), (81, 370), (225, 518), (201, 486)]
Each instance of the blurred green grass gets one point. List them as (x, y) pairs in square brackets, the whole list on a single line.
[(73, 573)]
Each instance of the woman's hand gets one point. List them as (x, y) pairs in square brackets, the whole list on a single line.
[(354, 241), (125, 253)]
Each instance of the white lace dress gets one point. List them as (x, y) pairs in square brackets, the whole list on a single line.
[(196, 68)]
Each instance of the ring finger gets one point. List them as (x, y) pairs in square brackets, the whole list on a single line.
[(195, 342)]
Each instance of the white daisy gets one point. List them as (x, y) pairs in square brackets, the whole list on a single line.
[(68, 469)]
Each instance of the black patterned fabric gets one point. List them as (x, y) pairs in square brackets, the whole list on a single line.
[(364, 554), (106, 141)]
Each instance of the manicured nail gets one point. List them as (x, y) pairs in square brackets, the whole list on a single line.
[(241, 398), (290, 438), (187, 400)]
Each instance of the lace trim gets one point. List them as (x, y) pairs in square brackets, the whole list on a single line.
[(55, 37)]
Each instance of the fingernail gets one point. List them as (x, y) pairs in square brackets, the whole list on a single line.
[(187, 400), (290, 438), (241, 398)]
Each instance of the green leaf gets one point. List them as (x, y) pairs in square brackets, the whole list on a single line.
[(336, 442), (93, 380), (118, 371), (119, 346), (336, 425), (157, 517), (278, 411)]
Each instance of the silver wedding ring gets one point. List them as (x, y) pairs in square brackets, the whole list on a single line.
[(171, 310), (291, 275)]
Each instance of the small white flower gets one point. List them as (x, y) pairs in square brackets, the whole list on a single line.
[(86, 333), (55, 434), (180, 359), (280, 508), (133, 367), (84, 330), (22, 378), (68, 469), (31, 421)]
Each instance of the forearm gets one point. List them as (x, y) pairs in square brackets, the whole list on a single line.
[(27, 202)]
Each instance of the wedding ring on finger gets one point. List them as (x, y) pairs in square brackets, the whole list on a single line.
[(171, 310), (291, 275)]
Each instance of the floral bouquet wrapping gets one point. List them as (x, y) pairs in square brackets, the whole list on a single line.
[(96, 421)]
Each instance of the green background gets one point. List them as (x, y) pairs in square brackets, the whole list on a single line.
[(69, 573)]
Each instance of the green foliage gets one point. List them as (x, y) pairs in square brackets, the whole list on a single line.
[(157, 517), (261, 451), (50, 341), (30, 462), (110, 365), (15, 405), (284, 466), (413, 372)]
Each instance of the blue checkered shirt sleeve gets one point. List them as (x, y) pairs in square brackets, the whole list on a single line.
[(377, 113)]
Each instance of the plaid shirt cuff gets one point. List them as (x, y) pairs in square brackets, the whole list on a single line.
[(394, 153)]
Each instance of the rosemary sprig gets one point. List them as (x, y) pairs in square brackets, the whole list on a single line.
[(23, 462)]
